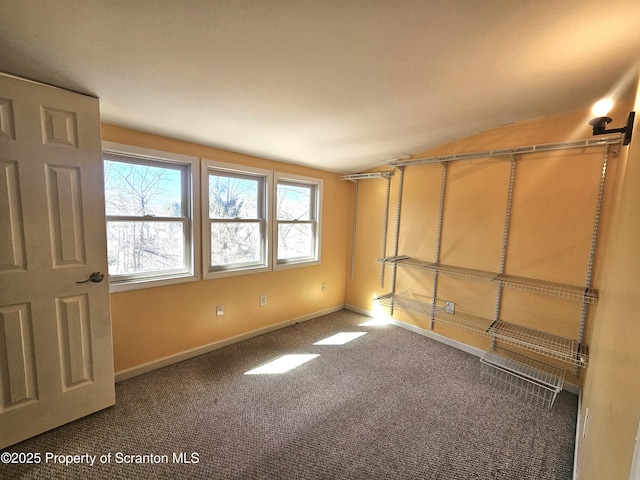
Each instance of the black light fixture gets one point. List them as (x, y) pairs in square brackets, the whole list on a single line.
[(600, 122)]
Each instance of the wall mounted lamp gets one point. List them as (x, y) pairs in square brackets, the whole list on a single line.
[(600, 122)]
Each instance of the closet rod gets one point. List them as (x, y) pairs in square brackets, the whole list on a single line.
[(545, 147), (360, 176)]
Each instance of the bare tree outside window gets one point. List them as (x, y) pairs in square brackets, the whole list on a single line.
[(258, 220), (146, 217), (236, 213), (296, 221)]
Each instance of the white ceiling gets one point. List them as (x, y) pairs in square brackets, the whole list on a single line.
[(340, 85)]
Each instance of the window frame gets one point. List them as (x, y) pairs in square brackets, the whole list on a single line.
[(190, 191), (315, 221), (264, 217)]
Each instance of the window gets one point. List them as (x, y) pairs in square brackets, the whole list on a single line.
[(236, 223), (297, 229), (250, 223), (149, 213)]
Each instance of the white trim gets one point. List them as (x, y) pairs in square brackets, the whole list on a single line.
[(478, 352), (178, 357), (139, 284), (634, 474), (193, 181), (421, 331), (140, 152), (577, 441)]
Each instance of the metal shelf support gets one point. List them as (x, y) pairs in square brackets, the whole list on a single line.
[(443, 186), (385, 227), (397, 231), (354, 228), (505, 238), (592, 250)]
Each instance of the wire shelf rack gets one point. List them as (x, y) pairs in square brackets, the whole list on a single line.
[(570, 292), (464, 321), (559, 290), (363, 176), (450, 270), (392, 259), (536, 381), (544, 343), (502, 152), (410, 302)]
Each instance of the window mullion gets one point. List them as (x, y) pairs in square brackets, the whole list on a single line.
[(237, 220), (297, 222), (123, 218)]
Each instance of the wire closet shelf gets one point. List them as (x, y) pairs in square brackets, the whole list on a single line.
[(537, 341), (508, 152), (561, 290), (536, 381)]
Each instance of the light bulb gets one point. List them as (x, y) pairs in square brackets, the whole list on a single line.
[(602, 107)]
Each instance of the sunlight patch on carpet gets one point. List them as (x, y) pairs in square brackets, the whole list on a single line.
[(282, 364), (340, 338), (375, 322)]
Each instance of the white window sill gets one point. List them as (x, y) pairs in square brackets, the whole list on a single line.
[(123, 286)]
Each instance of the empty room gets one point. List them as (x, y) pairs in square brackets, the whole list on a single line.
[(320, 239)]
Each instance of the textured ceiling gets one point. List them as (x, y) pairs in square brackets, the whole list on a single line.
[(337, 85)]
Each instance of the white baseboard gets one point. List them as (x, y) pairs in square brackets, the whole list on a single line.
[(578, 436), (478, 352), (178, 357), (424, 332)]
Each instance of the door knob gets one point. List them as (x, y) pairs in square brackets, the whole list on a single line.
[(95, 277)]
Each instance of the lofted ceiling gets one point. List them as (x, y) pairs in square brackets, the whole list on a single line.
[(340, 85)]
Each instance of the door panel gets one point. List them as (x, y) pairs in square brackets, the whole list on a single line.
[(18, 360), (56, 360), (7, 125), (11, 235), (64, 200)]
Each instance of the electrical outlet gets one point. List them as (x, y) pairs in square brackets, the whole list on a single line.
[(263, 300), (324, 287), (219, 310), (450, 307)]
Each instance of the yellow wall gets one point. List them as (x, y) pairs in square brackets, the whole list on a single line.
[(154, 323), (612, 385)]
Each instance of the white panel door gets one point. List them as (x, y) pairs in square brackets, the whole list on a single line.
[(56, 359)]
